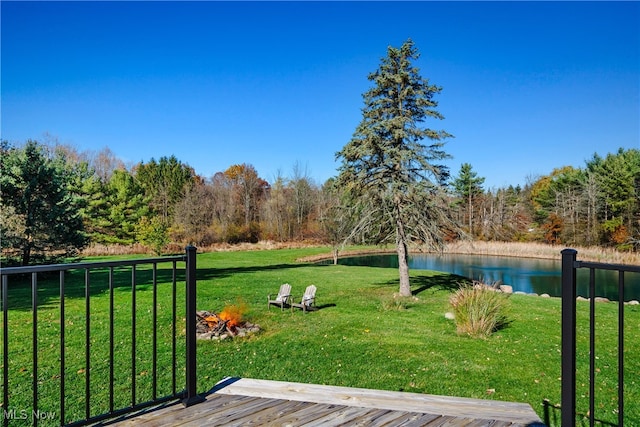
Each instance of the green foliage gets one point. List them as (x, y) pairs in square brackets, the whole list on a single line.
[(479, 311), (557, 190), (42, 195), (387, 167), (127, 206), (616, 233), (164, 183), (467, 184), (618, 176), (152, 232), (586, 200)]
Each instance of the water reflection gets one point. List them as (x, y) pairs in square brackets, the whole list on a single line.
[(528, 275)]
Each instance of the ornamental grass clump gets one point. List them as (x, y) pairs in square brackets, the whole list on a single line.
[(479, 311)]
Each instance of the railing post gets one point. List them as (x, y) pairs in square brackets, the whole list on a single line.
[(191, 397), (568, 401)]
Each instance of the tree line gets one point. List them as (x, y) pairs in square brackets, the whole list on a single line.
[(55, 201), (597, 205)]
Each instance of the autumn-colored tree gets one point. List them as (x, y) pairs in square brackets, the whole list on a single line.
[(248, 191), (194, 216), (278, 212), (553, 229)]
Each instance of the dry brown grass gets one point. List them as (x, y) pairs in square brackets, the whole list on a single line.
[(97, 249), (541, 250), (514, 249), (104, 250)]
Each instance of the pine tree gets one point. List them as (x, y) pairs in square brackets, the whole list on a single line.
[(468, 186), (37, 190), (386, 165)]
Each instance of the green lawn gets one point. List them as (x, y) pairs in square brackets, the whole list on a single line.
[(358, 338)]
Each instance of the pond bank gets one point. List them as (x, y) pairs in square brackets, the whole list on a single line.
[(507, 249)]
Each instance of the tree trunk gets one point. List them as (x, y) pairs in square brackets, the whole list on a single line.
[(26, 255), (403, 266)]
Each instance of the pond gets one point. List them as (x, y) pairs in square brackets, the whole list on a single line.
[(529, 275)]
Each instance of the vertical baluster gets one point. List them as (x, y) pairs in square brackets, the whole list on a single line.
[(592, 345), (174, 317), (154, 344), (111, 340), (133, 335), (34, 306), (620, 347), (5, 347), (62, 352), (87, 343)]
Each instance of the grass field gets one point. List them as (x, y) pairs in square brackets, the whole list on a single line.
[(359, 337)]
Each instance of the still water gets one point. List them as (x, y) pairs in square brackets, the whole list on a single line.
[(540, 276)]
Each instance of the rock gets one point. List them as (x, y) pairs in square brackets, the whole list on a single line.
[(449, 315), (602, 299), (545, 296), (520, 293), (581, 298), (633, 302), (507, 289)]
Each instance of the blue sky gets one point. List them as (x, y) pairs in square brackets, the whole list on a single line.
[(526, 86)]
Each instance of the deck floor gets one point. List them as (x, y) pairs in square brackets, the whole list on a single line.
[(250, 402)]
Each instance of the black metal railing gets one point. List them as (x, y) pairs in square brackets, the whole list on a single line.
[(570, 264), (68, 300)]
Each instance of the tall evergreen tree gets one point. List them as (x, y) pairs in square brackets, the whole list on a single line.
[(37, 190), (127, 206), (468, 185), (165, 183), (386, 165), (618, 178)]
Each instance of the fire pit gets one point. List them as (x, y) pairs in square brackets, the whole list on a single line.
[(228, 323)]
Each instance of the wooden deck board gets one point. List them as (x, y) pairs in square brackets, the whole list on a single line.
[(249, 402)]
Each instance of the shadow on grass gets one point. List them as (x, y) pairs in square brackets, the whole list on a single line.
[(318, 307), (20, 296), (446, 282), (217, 273), (419, 284), (48, 286)]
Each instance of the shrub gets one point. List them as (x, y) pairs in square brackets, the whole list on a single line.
[(479, 311)]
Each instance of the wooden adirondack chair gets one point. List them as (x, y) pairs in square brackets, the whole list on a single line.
[(283, 299), (308, 299)]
